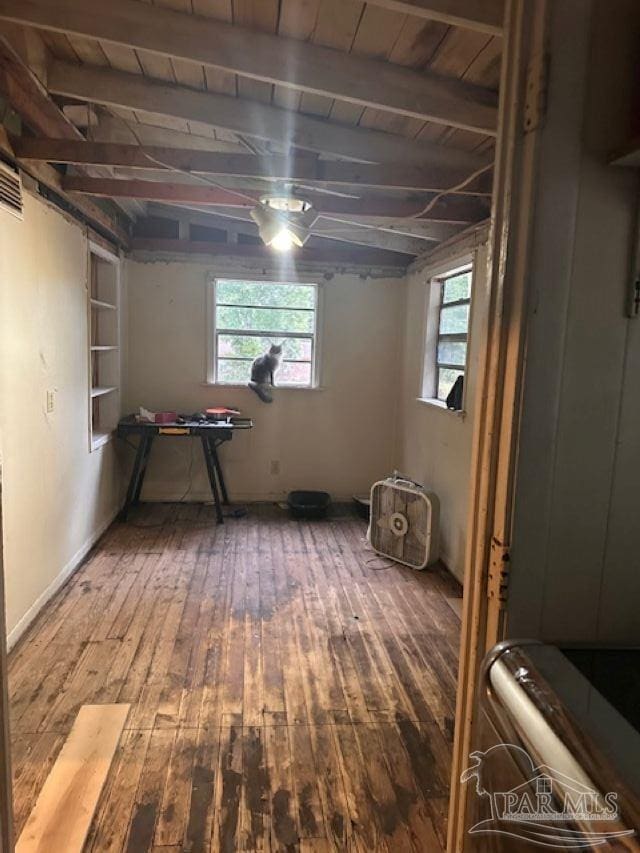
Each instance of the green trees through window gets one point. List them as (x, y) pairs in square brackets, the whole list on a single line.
[(252, 315)]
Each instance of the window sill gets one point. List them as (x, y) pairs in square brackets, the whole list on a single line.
[(276, 387), (440, 404)]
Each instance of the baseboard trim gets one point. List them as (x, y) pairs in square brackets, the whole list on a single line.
[(73, 564), (162, 496)]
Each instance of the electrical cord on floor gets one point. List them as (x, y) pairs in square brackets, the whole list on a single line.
[(389, 565), (181, 499)]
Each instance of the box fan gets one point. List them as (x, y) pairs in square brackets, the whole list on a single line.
[(404, 522)]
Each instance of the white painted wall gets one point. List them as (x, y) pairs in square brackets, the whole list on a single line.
[(57, 495), (576, 539), (339, 438), (434, 444)]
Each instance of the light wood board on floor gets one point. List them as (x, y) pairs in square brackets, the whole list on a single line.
[(63, 812)]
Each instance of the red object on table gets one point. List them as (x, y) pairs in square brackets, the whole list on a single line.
[(166, 417), (221, 413), (221, 410)]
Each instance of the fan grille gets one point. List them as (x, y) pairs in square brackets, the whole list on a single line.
[(390, 504)]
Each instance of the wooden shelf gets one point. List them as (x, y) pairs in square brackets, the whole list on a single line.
[(99, 304), (100, 391), (98, 438), (103, 348)]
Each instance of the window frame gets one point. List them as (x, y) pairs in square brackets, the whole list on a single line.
[(213, 331), (434, 276), (451, 337)]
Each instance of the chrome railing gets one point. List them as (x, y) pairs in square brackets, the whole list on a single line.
[(554, 765)]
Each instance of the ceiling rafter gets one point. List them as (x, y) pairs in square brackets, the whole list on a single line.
[(274, 168), (455, 210), (356, 255), (485, 16), (263, 56), (26, 94), (325, 229), (250, 118), (424, 229)]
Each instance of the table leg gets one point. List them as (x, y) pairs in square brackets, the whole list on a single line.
[(143, 466), (211, 470), (218, 466), (132, 489)]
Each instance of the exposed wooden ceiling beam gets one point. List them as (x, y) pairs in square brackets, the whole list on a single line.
[(453, 210), (22, 85), (350, 255), (263, 56), (112, 128), (485, 16), (250, 118), (424, 229), (25, 93), (308, 169), (322, 228)]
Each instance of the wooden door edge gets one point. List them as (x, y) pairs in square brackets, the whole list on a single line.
[(496, 421)]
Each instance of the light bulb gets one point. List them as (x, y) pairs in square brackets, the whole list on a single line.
[(283, 241)]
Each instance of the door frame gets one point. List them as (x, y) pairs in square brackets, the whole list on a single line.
[(496, 421)]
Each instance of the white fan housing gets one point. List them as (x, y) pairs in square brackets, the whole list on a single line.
[(404, 522)]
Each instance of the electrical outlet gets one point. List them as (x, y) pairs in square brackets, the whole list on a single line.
[(51, 401), (274, 467)]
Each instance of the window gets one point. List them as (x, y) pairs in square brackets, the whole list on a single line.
[(249, 316), (544, 785), (104, 344), (453, 329)]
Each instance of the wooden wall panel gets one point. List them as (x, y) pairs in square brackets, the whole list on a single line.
[(570, 571)]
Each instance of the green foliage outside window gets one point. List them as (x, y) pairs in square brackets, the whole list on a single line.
[(281, 309)]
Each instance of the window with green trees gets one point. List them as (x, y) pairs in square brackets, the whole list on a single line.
[(249, 316), (453, 329)]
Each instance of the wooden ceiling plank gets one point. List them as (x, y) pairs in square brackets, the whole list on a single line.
[(308, 169), (297, 20), (486, 16), (100, 86), (449, 210), (336, 26), (375, 38), (258, 15), (127, 24), (216, 80)]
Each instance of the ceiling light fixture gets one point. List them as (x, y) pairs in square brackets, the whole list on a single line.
[(283, 221)]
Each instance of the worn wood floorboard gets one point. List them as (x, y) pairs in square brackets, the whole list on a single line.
[(290, 690)]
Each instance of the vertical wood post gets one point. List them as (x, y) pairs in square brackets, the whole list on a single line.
[(497, 409)]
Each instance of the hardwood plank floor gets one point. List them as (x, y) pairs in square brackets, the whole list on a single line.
[(290, 690)]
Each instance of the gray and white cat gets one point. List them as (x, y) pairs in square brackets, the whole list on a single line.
[(263, 370)]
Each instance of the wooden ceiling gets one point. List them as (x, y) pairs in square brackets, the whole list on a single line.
[(171, 88)]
